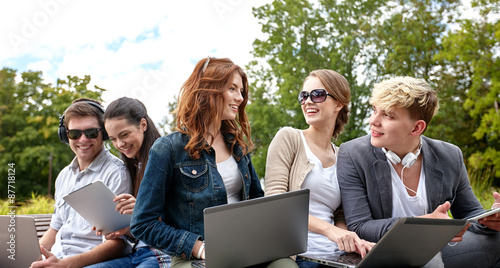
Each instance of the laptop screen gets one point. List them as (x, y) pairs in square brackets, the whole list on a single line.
[(19, 242), (257, 230)]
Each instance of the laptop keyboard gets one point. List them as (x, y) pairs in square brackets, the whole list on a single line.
[(349, 258), (346, 258)]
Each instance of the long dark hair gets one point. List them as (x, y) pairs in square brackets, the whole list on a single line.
[(134, 111)]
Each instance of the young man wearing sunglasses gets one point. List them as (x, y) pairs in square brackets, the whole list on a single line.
[(396, 171), (70, 240)]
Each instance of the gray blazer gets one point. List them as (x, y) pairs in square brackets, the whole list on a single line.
[(365, 182)]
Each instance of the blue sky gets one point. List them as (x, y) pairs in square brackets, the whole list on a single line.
[(142, 49)]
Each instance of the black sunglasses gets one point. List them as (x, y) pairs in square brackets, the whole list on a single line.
[(317, 95), (90, 133)]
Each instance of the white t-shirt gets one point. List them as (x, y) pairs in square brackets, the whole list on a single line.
[(404, 205), (228, 170), (324, 199)]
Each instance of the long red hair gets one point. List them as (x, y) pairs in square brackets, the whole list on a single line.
[(200, 106)]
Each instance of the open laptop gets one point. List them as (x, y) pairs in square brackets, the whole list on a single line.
[(18, 241), (256, 231), (94, 202), (411, 242)]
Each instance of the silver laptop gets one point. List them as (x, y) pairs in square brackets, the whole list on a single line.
[(411, 242), (256, 231), (18, 241)]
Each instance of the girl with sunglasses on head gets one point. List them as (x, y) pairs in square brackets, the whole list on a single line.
[(133, 133), (204, 163), (299, 159)]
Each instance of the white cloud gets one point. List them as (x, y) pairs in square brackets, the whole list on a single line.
[(143, 49), (44, 65)]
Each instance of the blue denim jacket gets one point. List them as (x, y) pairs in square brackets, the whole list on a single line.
[(177, 188)]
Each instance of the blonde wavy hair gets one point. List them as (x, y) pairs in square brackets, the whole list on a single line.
[(413, 94)]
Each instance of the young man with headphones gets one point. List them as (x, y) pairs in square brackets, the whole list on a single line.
[(396, 172), (70, 240)]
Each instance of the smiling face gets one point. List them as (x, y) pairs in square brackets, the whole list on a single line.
[(126, 137), (85, 149), (233, 97), (320, 113), (394, 130)]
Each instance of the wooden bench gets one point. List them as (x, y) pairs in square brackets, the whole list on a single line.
[(42, 223)]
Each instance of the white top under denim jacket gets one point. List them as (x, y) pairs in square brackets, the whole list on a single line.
[(177, 188)]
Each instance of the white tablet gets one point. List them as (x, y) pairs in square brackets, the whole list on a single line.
[(483, 214), (94, 202)]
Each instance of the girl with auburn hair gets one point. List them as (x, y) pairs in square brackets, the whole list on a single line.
[(199, 111), (204, 163), (306, 159), (132, 132)]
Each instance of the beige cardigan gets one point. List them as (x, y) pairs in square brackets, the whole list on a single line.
[(287, 165)]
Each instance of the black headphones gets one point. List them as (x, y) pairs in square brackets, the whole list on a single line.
[(62, 129)]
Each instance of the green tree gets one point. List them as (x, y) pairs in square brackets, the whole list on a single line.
[(471, 55), (301, 37), (29, 120), (407, 40), (168, 123), (408, 43)]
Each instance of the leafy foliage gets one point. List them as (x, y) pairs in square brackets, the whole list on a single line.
[(167, 125), (302, 37), (29, 119), (368, 41), (472, 61)]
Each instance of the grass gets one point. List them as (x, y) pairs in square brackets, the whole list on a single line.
[(482, 186), (37, 204)]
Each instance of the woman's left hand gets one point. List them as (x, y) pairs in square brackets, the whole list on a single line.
[(126, 203)]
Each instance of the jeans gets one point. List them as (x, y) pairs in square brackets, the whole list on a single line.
[(475, 250), (286, 262), (144, 257)]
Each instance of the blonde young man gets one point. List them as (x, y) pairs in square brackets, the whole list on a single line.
[(396, 172)]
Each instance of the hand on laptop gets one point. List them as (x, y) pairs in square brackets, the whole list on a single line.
[(441, 212), (493, 221), (350, 242), (49, 261)]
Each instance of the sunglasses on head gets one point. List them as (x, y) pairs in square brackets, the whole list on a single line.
[(90, 133), (317, 95)]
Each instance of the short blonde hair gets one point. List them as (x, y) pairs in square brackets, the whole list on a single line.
[(410, 93)]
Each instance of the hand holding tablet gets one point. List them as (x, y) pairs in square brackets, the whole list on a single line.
[(94, 202), (483, 214)]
